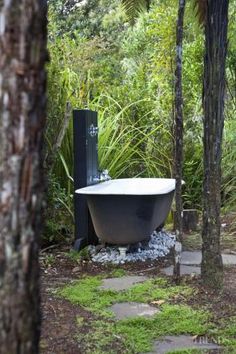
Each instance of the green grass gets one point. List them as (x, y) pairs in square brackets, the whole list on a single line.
[(173, 319), (76, 256), (48, 260), (86, 293), (225, 333), (136, 335), (118, 273), (131, 336)]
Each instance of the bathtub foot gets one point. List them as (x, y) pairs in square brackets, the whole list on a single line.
[(122, 251), (99, 247)]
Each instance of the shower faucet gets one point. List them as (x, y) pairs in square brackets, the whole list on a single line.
[(102, 176)]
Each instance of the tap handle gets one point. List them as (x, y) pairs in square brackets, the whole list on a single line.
[(105, 175)]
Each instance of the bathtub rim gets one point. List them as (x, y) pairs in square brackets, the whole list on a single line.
[(105, 188)]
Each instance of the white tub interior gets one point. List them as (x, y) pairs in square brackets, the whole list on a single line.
[(131, 186)]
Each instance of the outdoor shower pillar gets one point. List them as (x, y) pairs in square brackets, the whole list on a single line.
[(85, 170)]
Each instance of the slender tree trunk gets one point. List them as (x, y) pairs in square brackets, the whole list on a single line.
[(216, 22), (179, 134), (22, 116)]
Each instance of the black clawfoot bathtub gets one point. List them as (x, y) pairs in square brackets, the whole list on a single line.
[(126, 211)]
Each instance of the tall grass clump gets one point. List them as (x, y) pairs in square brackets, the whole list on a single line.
[(129, 148)]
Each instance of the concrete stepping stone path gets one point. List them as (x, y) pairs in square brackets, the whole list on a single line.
[(123, 283), (184, 270), (191, 258), (132, 309), (229, 259), (183, 342), (191, 261), (195, 258), (127, 309)]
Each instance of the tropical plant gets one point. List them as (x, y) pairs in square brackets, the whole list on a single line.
[(214, 16), (128, 71), (133, 8), (129, 149)]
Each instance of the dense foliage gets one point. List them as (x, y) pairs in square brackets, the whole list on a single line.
[(98, 60)]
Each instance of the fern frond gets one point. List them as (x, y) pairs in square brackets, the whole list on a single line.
[(134, 7)]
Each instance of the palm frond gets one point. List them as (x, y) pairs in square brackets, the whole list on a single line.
[(201, 7), (134, 7)]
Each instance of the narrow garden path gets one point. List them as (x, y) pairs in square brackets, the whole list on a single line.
[(191, 261), (134, 308)]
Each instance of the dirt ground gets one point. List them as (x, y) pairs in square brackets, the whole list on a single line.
[(59, 326), (59, 316)]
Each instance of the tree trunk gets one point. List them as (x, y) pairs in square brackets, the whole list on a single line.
[(179, 130), (213, 104), (190, 220), (22, 116)]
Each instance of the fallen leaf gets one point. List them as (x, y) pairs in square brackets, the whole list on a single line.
[(158, 302), (195, 337)]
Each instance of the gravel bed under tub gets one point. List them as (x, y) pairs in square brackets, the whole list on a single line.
[(158, 246)]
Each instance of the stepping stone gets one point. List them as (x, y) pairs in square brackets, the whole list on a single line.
[(132, 309), (191, 258), (195, 258), (182, 342), (229, 259), (184, 270), (122, 283)]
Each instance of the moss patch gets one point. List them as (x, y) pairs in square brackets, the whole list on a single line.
[(225, 334), (86, 293), (136, 335), (118, 273), (133, 335), (77, 257), (173, 319)]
